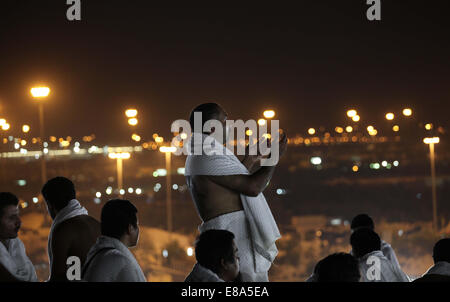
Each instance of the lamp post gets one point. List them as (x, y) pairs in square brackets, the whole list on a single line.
[(119, 157), (39, 93), (168, 152), (431, 141)]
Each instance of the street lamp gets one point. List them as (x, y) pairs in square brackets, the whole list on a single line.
[(40, 93), (25, 128), (431, 141), (168, 151), (269, 114), (407, 112), (389, 116), (119, 156), (131, 113)]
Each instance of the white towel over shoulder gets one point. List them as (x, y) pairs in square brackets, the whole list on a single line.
[(16, 261), (72, 209), (217, 160)]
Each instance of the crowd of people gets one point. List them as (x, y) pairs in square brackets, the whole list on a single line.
[(238, 234)]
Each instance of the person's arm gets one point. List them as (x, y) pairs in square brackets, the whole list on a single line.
[(60, 248), (6, 276)]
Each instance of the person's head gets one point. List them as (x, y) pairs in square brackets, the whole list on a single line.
[(119, 220), (217, 251), (441, 250), (210, 111), (362, 221), (338, 267), (9, 216), (364, 241), (57, 193)]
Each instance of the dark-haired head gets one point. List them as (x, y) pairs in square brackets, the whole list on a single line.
[(362, 221), (57, 193), (364, 241), (441, 250), (119, 219), (338, 267), (216, 250), (9, 216), (209, 111)]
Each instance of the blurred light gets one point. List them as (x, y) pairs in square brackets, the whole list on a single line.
[(181, 171), (97, 200), (407, 112), (158, 185), (130, 190), (98, 194), (370, 128), (168, 149), (396, 163), (249, 132), (165, 253), (190, 251), (396, 128), (339, 129), (133, 121), (40, 92), (351, 113), (281, 192), (356, 118), (318, 233), (349, 129), (136, 137), (269, 114), (183, 135), (384, 163), (77, 144), (155, 174), (431, 140), (159, 139), (389, 116), (22, 182), (123, 155), (261, 122), (400, 233), (373, 133), (76, 149), (52, 139), (161, 172), (131, 113), (109, 190), (25, 128), (375, 166), (267, 136), (16, 146), (138, 191), (6, 126), (311, 131), (175, 186), (23, 142), (155, 135), (24, 204), (121, 191), (316, 160), (35, 200), (355, 168), (2, 121), (336, 221), (429, 126)]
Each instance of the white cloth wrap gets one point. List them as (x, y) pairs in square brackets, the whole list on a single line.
[(115, 264), (388, 272), (72, 209), (262, 229), (200, 273), (16, 261)]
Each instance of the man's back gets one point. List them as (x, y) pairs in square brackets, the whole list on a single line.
[(73, 237)]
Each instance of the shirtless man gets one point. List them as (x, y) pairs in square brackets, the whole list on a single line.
[(73, 232), (215, 196)]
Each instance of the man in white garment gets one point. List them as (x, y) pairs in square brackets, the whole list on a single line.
[(217, 258), (365, 221), (110, 260), (440, 271), (228, 195), (14, 262), (374, 266), (73, 231)]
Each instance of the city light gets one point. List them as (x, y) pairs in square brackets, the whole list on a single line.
[(117, 155), (316, 160), (407, 112), (311, 131), (160, 172), (349, 129), (130, 190), (133, 121), (40, 92), (131, 113), (431, 140), (395, 128), (429, 126), (25, 128), (159, 139), (165, 149), (109, 190), (136, 137), (183, 135), (6, 126), (98, 194), (356, 118), (165, 253), (121, 191), (181, 171), (389, 116), (2, 121), (370, 128), (35, 200), (269, 114), (138, 191), (23, 142), (261, 122), (339, 129), (175, 187), (396, 163), (190, 251), (351, 113), (248, 132), (355, 168)]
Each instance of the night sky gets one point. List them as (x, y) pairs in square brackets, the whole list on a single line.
[(310, 62)]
